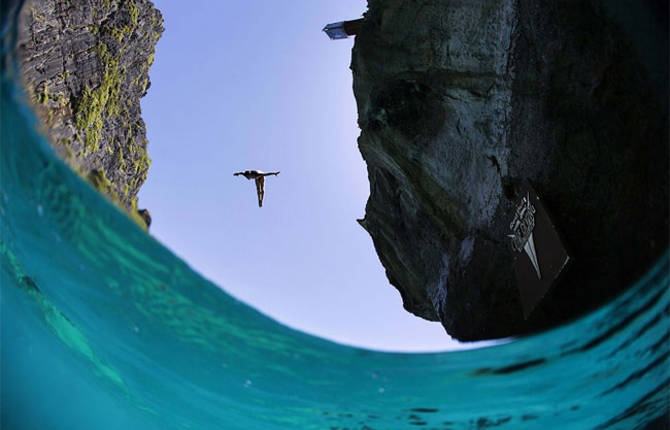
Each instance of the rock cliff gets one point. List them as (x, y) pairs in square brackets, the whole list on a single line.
[(85, 65), (461, 101)]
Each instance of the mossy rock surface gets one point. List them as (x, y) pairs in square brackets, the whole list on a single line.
[(86, 68)]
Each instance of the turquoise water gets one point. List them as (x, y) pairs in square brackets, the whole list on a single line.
[(102, 327)]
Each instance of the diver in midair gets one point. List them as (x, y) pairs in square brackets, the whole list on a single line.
[(259, 177)]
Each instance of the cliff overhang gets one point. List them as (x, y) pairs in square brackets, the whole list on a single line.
[(459, 103)]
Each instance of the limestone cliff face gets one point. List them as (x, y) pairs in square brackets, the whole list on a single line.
[(460, 101), (85, 64)]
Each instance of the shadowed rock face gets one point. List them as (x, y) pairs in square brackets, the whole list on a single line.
[(85, 65), (460, 101)]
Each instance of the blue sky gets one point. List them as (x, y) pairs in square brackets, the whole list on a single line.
[(256, 85)]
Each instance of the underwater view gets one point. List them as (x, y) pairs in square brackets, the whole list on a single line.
[(102, 327)]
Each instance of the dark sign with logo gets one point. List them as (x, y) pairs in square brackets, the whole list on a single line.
[(539, 254)]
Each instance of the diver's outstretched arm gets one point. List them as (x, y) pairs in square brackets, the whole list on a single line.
[(271, 173), (238, 173)]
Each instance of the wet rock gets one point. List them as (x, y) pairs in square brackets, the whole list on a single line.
[(146, 216), (459, 102)]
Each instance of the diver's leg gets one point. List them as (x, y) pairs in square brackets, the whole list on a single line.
[(260, 190)]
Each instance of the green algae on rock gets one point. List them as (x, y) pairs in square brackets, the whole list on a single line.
[(85, 67)]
